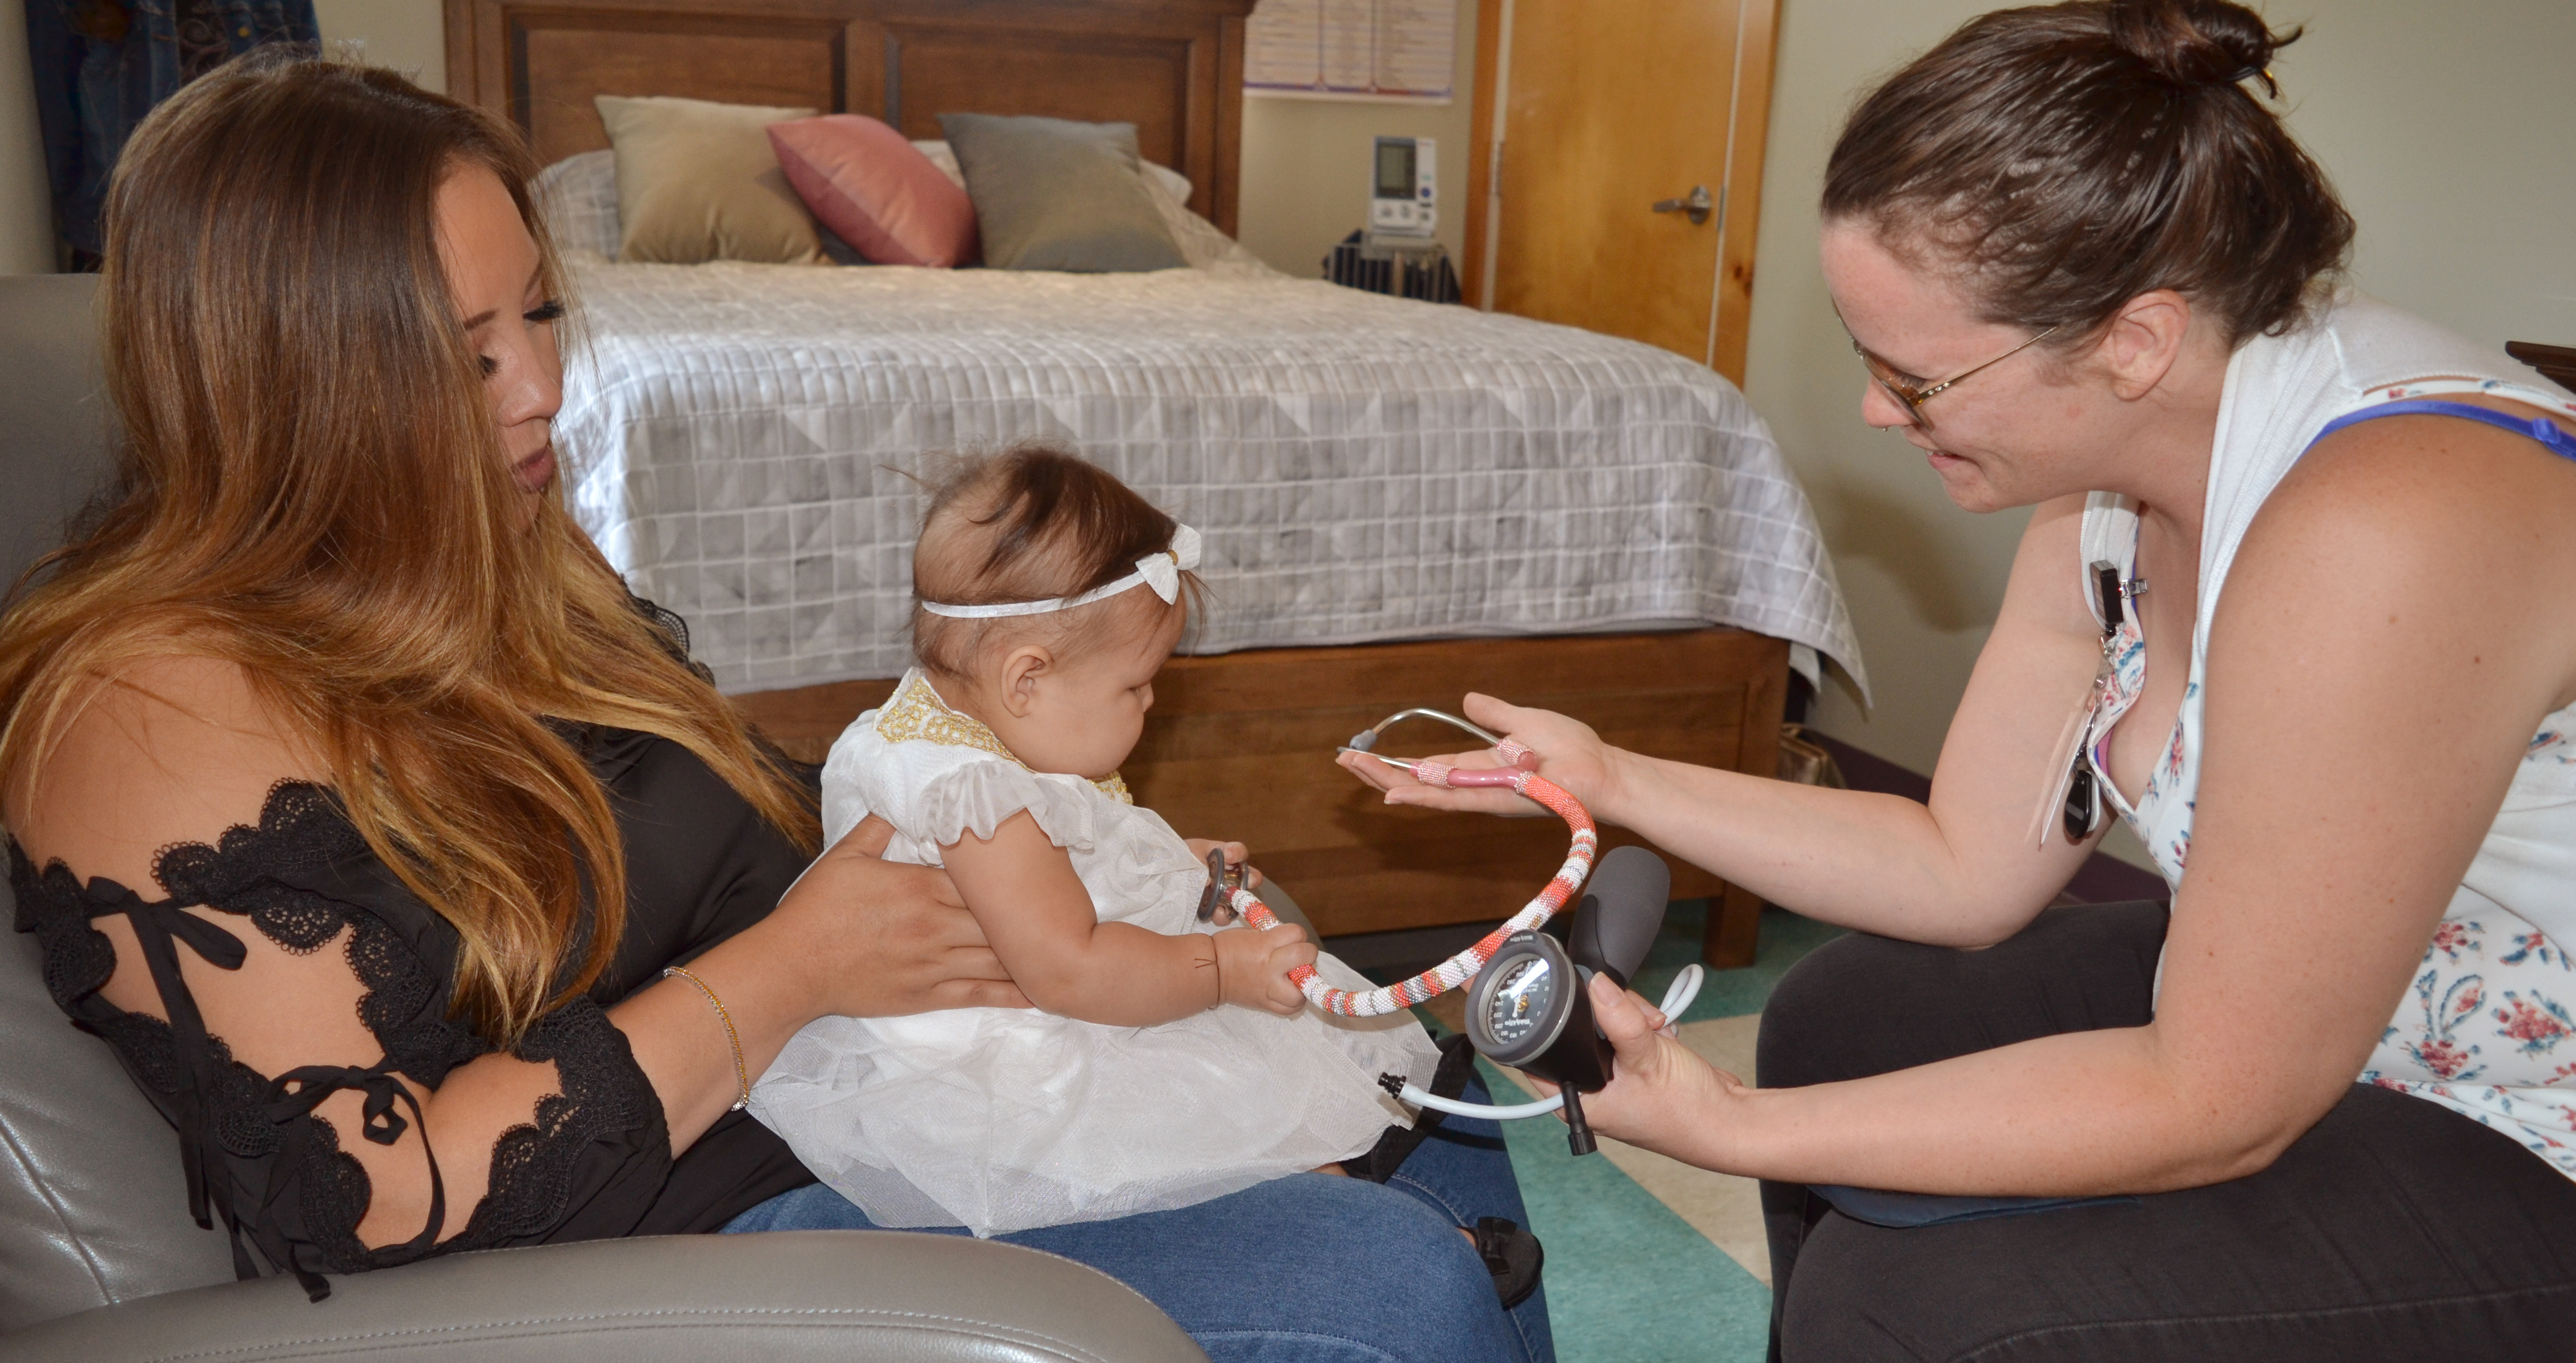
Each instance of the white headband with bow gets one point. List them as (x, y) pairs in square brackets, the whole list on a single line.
[(1161, 571)]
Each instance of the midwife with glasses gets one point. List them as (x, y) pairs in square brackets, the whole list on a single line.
[(1911, 394), (2297, 601)]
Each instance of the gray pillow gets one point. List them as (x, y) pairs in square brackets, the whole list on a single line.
[(1057, 195)]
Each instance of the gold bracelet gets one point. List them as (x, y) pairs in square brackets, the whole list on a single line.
[(741, 1076)]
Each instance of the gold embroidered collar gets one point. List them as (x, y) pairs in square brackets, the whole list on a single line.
[(916, 713)]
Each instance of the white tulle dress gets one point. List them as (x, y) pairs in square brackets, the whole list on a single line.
[(1003, 1119)]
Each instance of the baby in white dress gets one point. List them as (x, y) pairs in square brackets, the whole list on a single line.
[(1166, 1062)]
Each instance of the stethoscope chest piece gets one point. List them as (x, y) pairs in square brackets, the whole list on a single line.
[(1216, 902)]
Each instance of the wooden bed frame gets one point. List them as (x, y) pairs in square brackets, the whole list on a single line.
[(2556, 363), (1240, 746), (1237, 746), (1174, 68)]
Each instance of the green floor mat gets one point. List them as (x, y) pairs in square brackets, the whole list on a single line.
[(1627, 1281), (1786, 938)]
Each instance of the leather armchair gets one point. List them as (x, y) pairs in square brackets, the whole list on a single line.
[(99, 1260)]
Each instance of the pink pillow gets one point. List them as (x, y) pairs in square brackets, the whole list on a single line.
[(876, 191)]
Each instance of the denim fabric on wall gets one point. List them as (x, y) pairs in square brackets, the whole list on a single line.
[(101, 65)]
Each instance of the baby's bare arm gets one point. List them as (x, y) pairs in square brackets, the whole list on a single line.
[(1041, 922)]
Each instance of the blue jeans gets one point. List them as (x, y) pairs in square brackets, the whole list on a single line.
[(1297, 1270)]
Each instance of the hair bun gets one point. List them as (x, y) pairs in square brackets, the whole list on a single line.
[(2198, 42)]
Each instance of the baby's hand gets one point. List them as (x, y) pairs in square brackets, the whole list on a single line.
[(1234, 855), (1252, 967)]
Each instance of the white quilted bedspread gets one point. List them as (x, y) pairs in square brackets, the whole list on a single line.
[(1364, 468)]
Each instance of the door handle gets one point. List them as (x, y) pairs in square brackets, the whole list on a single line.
[(1697, 205)]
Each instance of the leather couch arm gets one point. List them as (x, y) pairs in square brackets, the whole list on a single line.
[(782, 1297)]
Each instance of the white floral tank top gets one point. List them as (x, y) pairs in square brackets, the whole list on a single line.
[(2488, 1028)]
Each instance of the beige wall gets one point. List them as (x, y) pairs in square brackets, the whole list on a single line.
[(408, 35), (405, 34), (2448, 142), (26, 209), (1306, 165)]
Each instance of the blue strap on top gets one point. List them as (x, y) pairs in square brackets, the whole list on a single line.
[(2540, 428)]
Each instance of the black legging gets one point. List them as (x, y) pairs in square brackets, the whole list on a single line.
[(2393, 1229)]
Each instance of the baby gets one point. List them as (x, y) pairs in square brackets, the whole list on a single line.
[(1167, 1062)]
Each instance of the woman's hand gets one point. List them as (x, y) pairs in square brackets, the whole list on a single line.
[(1252, 967), (1662, 1097), (1565, 751), (888, 939), (1235, 852)]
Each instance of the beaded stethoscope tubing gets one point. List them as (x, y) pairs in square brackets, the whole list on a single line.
[(1458, 969)]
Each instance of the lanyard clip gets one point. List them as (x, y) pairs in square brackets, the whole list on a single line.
[(2110, 592), (2107, 596)]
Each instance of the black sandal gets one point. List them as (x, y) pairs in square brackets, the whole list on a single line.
[(1513, 1255)]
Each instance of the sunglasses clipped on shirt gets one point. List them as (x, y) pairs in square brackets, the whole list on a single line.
[(1911, 396)]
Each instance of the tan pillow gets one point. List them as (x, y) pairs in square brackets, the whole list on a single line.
[(698, 181)]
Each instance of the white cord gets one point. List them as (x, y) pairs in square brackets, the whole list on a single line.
[(1677, 1000), (1436, 1103), (1685, 989)]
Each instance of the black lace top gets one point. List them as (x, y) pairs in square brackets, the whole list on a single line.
[(595, 1161)]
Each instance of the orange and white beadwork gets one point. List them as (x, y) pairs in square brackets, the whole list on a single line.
[(1461, 968)]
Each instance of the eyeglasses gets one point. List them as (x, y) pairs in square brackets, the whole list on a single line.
[(1912, 398)]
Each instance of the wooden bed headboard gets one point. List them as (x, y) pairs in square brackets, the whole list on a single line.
[(1174, 68)]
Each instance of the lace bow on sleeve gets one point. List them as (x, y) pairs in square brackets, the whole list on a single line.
[(262, 1164), (981, 796)]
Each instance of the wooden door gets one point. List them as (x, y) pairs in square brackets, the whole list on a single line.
[(1606, 108)]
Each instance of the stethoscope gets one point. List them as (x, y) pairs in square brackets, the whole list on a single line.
[(1527, 1006)]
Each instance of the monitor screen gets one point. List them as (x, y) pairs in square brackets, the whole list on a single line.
[(1394, 169)]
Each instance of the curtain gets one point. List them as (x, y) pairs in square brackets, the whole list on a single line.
[(101, 65)]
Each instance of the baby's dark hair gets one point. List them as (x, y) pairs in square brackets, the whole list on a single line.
[(1031, 524)]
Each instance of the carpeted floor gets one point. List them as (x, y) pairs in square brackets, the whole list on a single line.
[(1628, 1280)]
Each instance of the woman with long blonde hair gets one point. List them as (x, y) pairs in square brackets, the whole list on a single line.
[(478, 908)]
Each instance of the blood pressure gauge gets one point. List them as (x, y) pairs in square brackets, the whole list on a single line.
[(1520, 1000), (1528, 1009), (1530, 1006)]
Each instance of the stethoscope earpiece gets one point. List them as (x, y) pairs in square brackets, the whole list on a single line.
[(1366, 741)]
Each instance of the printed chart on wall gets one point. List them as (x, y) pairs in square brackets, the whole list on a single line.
[(1353, 49)]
